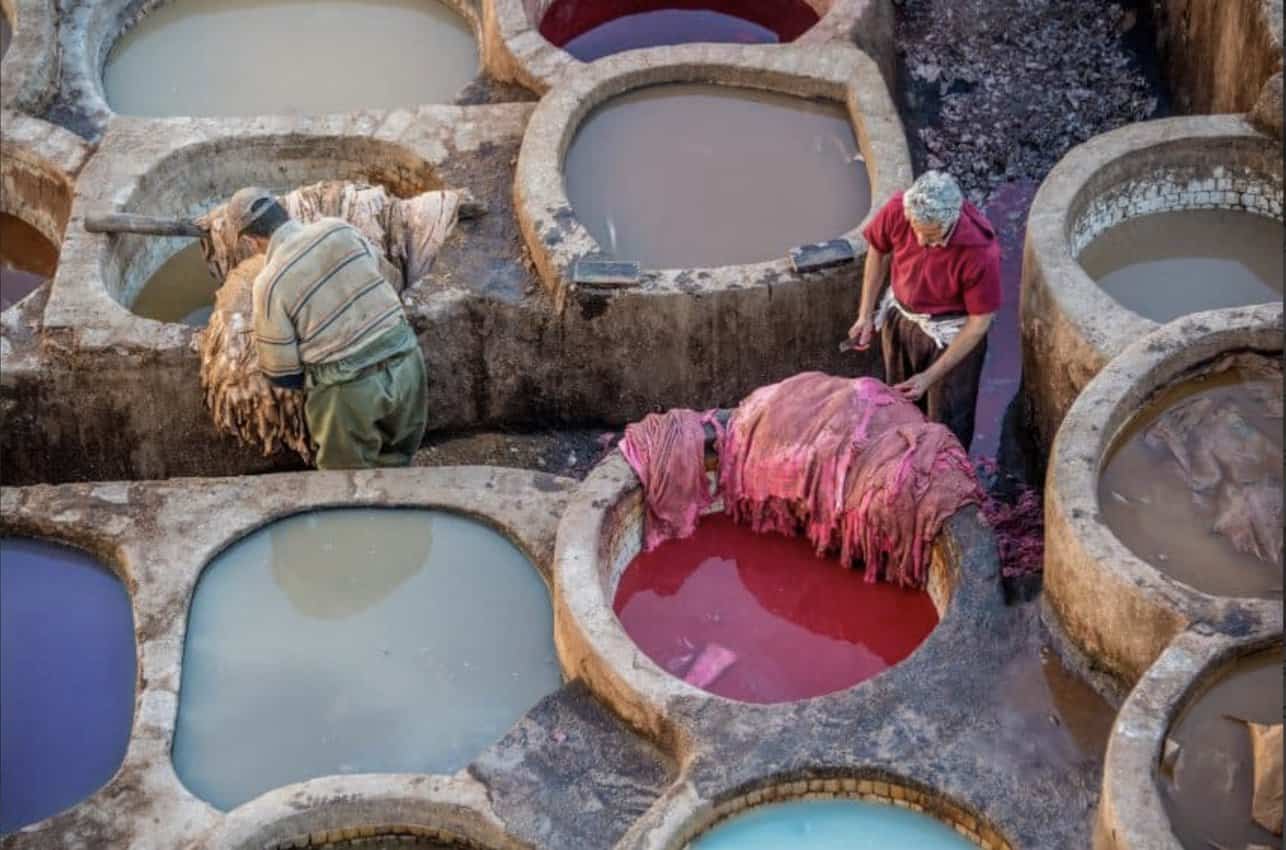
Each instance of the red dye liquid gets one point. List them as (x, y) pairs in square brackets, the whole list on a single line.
[(591, 29), (800, 626)]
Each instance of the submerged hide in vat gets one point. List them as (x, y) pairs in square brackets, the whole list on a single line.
[(667, 453), (407, 232)]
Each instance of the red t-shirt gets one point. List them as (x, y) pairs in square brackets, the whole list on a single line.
[(963, 276)]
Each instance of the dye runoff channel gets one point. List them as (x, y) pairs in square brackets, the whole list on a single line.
[(66, 630), (1170, 264), (760, 618), (837, 824), (357, 641), (182, 290), (592, 29), (1208, 780), (27, 259), (699, 175), (1193, 483), (259, 57)]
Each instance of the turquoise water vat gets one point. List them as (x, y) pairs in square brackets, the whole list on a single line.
[(831, 825)]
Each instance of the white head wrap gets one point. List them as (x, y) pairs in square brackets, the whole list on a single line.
[(934, 198)]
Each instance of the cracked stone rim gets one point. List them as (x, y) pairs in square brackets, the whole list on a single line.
[(1131, 814), (1116, 609), (837, 73), (29, 70)]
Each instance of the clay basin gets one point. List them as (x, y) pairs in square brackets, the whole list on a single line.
[(66, 630), (260, 57)]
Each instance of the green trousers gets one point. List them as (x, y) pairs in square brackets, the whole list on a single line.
[(375, 418)]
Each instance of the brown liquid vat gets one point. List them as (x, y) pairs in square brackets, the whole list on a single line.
[(1109, 607), (1133, 813)]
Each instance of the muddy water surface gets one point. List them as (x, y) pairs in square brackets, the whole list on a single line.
[(1170, 264), (831, 825), (766, 619), (1208, 790), (182, 290), (66, 631), (1150, 507), (27, 259), (257, 57), (681, 176), (357, 641), (591, 29)]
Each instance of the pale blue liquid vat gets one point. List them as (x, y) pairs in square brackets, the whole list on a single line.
[(67, 676), (357, 641), (832, 825)]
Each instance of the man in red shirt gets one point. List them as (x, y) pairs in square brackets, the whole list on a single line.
[(933, 320)]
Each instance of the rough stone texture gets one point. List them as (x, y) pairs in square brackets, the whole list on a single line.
[(29, 70), (928, 724), (1112, 606), (514, 49), (570, 775), (502, 351), (1218, 55), (1131, 815), (158, 536), (1267, 114), (1070, 327)]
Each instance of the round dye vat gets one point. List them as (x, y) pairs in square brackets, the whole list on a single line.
[(1171, 264), (1229, 441), (1208, 787), (760, 618), (182, 290), (27, 259), (831, 825), (591, 29), (357, 641), (67, 677), (696, 175), (256, 57)]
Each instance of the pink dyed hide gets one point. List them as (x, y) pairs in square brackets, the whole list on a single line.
[(667, 453)]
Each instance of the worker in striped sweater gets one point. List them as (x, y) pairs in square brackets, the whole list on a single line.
[(327, 322)]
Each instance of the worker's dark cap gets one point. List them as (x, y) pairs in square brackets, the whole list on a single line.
[(247, 205)]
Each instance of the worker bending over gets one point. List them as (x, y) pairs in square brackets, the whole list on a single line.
[(327, 321), (933, 320)]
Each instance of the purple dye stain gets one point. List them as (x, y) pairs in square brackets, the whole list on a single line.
[(67, 679)]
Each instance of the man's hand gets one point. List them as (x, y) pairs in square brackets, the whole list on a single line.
[(913, 387), (861, 333)]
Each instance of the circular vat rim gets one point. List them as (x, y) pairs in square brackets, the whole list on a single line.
[(1131, 814), (50, 156), (330, 810), (593, 645), (1109, 606), (842, 74), (690, 818), (29, 70), (1070, 327), (519, 52), (92, 29)]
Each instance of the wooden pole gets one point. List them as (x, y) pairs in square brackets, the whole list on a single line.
[(145, 224)]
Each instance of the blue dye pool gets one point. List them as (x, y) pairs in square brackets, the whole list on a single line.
[(67, 674), (832, 825), (357, 641)]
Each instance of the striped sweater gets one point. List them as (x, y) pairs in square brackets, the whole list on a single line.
[(320, 298)]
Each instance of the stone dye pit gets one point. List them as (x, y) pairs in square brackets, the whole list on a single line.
[(1166, 265), (659, 175), (591, 30), (66, 631), (182, 290), (1208, 783), (831, 825), (760, 618), (1220, 431), (267, 57), (1127, 205), (27, 259), (1120, 597), (352, 641)]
